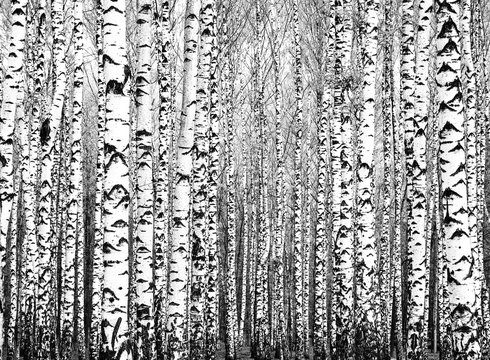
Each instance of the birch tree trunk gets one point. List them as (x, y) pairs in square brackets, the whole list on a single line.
[(367, 258), (415, 249), (144, 187), (454, 177), (468, 90), (231, 301), (46, 236), (179, 248), (385, 280), (15, 65), (211, 312), (343, 295), (31, 257), (161, 225), (16, 233), (299, 326), (418, 245), (97, 267), (115, 312), (279, 191), (73, 270), (199, 245)]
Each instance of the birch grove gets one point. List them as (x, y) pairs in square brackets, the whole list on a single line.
[(277, 179)]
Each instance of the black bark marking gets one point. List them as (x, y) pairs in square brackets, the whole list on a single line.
[(45, 131)]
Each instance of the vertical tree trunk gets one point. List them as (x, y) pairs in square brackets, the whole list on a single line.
[(211, 312), (143, 261), (161, 225), (306, 240), (231, 301), (16, 231), (468, 90), (385, 244), (367, 258), (97, 267), (279, 190), (415, 250), (299, 326), (399, 192), (47, 210), (325, 107), (74, 237), (454, 177), (115, 312), (179, 249), (343, 293), (15, 67), (199, 244), (30, 239), (419, 245)]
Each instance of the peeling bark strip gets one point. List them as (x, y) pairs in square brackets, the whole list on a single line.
[(115, 328), (465, 343), (179, 248)]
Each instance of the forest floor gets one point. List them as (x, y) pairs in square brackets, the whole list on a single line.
[(243, 353)]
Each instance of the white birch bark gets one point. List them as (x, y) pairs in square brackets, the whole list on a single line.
[(299, 326), (73, 245), (144, 297), (161, 224), (278, 301), (115, 341), (211, 314), (46, 218), (200, 186), (97, 267), (367, 258), (454, 177), (15, 256), (417, 278), (179, 247), (15, 65), (343, 296)]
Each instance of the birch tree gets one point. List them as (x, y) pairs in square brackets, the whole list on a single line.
[(73, 299), (115, 336), (200, 186), (179, 247), (211, 312), (7, 128), (342, 302), (144, 187), (298, 248), (49, 129), (418, 253), (454, 177), (161, 225), (367, 252), (97, 267)]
